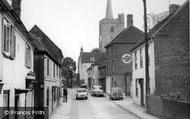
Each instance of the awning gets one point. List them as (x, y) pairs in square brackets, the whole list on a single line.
[(19, 91)]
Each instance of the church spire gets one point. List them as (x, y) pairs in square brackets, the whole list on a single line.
[(109, 13)]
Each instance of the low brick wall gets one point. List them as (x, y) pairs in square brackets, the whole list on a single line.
[(166, 108), (175, 109), (154, 105)]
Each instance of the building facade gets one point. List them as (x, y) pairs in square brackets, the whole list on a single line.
[(118, 57), (16, 60), (168, 65), (47, 66), (85, 60)]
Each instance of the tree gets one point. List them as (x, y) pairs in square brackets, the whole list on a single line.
[(69, 68), (69, 64), (96, 50)]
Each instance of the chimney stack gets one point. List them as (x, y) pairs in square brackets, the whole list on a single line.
[(173, 8), (129, 20), (16, 4)]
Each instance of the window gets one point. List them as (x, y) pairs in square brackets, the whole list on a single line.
[(57, 71), (47, 98), (48, 66), (92, 58), (135, 59), (136, 85), (112, 65), (28, 59), (141, 58), (53, 69), (111, 29), (9, 40)]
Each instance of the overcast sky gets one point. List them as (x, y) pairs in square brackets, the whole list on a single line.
[(71, 24)]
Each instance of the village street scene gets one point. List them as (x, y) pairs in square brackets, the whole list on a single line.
[(94, 59)]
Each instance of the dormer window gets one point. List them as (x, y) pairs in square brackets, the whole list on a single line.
[(92, 59)]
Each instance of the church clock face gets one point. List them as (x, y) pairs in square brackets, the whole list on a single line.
[(126, 58)]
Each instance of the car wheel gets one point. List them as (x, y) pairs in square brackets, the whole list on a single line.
[(86, 98)]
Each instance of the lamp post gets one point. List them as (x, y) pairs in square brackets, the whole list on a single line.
[(146, 49)]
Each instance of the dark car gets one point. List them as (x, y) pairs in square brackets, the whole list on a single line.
[(84, 86), (116, 93)]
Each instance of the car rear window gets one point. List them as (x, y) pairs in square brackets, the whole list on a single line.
[(81, 91)]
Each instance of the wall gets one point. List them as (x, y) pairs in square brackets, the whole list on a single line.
[(51, 81), (16, 67), (172, 57), (167, 108), (140, 72)]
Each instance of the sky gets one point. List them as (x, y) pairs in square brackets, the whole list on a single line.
[(71, 24)]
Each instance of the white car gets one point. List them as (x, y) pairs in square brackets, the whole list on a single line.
[(81, 93), (97, 91)]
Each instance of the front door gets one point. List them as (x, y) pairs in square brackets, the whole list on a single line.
[(142, 91)]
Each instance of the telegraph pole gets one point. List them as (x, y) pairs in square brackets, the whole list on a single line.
[(146, 50)]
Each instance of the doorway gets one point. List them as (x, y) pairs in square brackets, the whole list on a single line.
[(6, 96), (141, 83)]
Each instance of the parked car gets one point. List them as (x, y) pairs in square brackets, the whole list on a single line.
[(116, 93), (84, 86), (97, 91), (81, 93)]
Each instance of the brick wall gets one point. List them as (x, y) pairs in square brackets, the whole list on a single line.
[(167, 108), (172, 58), (154, 105)]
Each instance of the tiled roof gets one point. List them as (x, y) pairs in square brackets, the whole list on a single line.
[(128, 35), (86, 56), (101, 60), (158, 26), (53, 50)]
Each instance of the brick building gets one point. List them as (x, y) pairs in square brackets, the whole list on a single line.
[(118, 61), (169, 67)]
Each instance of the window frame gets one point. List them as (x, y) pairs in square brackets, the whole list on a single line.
[(141, 58), (8, 40), (28, 56), (135, 55)]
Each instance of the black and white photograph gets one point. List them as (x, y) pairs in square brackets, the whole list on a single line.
[(94, 59)]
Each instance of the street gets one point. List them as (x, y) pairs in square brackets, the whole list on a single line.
[(93, 108)]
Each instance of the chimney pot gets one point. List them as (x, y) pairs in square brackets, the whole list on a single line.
[(129, 20), (173, 8), (16, 4)]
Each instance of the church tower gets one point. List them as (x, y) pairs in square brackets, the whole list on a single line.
[(109, 27)]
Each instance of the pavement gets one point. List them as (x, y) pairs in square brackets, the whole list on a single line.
[(63, 111), (127, 104)]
